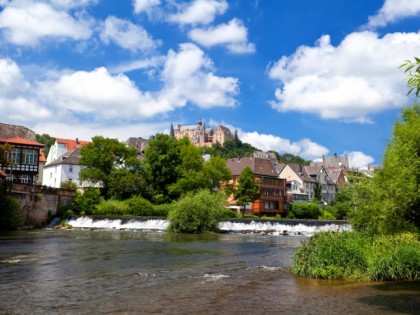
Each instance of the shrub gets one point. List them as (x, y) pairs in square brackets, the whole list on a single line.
[(229, 213), (197, 213), (331, 255), (87, 201), (9, 214), (111, 207), (137, 205), (304, 211), (163, 210), (359, 255), (326, 215)]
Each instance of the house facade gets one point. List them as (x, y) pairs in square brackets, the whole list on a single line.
[(62, 146), (272, 189), (64, 169), (302, 181), (22, 160)]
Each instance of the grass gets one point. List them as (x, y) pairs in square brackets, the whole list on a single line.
[(359, 256)]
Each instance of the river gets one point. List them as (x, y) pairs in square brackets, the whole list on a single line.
[(112, 271)]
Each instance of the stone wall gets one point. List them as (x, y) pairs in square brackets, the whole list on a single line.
[(38, 204)]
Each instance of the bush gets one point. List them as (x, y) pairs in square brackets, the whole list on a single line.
[(304, 211), (326, 215), (229, 213), (163, 210), (111, 207), (137, 205), (197, 213), (9, 214), (87, 201), (359, 255)]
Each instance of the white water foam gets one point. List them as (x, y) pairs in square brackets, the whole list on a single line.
[(88, 223), (215, 277), (272, 228), (276, 228)]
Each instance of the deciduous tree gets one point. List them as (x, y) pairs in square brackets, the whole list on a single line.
[(247, 190)]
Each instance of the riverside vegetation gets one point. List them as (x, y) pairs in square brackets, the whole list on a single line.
[(385, 214)]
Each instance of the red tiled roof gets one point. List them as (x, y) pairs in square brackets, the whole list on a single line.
[(42, 157), (18, 140), (72, 144)]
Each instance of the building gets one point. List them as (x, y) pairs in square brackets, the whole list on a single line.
[(64, 169), (200, 135), (62, 146), (302, 181), (22, 160), (139, 143), (334, 162), (272, 189)]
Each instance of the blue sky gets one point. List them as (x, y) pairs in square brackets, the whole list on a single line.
[(307, 77)]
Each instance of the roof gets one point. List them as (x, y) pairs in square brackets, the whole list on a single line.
[(336, 161), (334, 174), (72, 144), (68, 158), (42, 157), (259, 166), (302, 172), (17, 140)]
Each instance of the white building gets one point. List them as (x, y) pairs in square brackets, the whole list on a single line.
[(64, 169)]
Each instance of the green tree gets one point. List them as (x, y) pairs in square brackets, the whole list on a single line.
[(247, 190), (318, 191), (85, 202), (292, 159), (189, 171), (4, 150), (47, 140), (412, 69), (161, 158), (392, 197), (216, 172), (108, 161)]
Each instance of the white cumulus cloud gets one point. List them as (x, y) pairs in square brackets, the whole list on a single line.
[(199, 12), (145, 5), (304, 148), (359, 160), (127, 35), (394, 10), (188, 76), (232, 34), (26, 23), (351, 81)]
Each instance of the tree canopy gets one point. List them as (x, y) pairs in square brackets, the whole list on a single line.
[(112, 166), (390, 202), (247, 188)]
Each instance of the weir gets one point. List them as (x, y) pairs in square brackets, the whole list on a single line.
[(271, 227)]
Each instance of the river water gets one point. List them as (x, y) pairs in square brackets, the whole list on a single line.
[(155, 272)]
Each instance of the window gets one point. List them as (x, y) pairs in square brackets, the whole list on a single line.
[(71, 169), (24, 179), (271, 205), (30, 156), (14, 156)]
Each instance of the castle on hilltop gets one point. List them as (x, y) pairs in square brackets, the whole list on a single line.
[(200, 135)]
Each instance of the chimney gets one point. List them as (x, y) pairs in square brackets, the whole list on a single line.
[(77, 140)]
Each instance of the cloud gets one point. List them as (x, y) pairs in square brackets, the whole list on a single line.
[(188, 78), (394, 10), (199, 12), (26, 23), (351, 81), (145, 5), (232, 34), (359, 160), (304, 148), (140, 64), (16, 100), (127, 35)]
